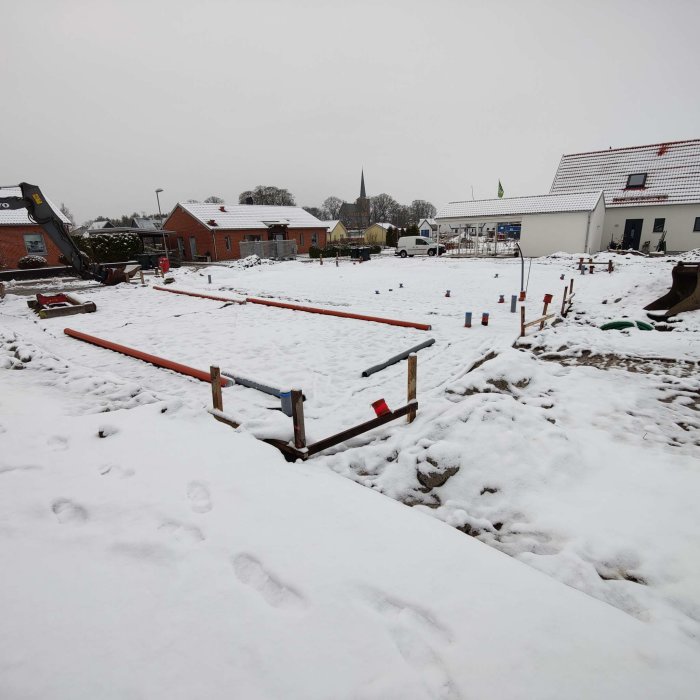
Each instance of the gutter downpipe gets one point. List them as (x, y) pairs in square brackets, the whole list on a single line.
[(213, 240)]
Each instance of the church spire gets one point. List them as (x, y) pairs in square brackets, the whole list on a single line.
[(362, 185)]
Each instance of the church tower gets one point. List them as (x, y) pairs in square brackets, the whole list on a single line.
[(356, 216)]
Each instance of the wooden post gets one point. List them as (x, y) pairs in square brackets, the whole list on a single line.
[(143, 281), (590, 265), (320, 257), (544, 313), (610, 265), (522, 321), (298, 418), (336, 258), (580, 263), (571, 286), (412, 376), (217, 399), (563, 302)]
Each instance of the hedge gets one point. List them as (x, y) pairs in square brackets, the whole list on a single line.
[(109, 247), (330, 251)]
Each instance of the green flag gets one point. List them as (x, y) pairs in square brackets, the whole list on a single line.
[(500, 189)]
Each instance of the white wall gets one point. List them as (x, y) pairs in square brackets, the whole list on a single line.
[(596, 237), (680, 219), (543, 234)]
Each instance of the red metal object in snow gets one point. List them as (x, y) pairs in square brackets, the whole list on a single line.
[(380, 407), (164, 264), (46, 299), (547, 299)]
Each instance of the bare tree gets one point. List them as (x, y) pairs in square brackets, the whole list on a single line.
[(315, 211), (67, 213), (268, 194), (382, 208), (421, 209), (400, 216), (213, 199), (331, 206)]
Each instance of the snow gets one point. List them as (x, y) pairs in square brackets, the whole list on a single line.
[(148, 550)]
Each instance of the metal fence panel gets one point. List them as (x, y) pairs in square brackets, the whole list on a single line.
[(269, 250)]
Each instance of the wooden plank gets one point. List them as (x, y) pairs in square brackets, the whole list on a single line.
[(222, 418), (412, 383), (298, 418), (538, 320), (522, 320), (217, 398), (359, 429)]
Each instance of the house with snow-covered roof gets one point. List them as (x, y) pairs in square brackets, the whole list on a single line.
[(336, 230), (376, 233), (215, 231), (628, 197), (649, 191), (543, 224), (20, 236), (427, 228)]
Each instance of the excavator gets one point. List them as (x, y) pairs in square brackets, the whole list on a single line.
[(40, 211)]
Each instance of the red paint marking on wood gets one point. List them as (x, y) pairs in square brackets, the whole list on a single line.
[(146, 357), (341, 314)]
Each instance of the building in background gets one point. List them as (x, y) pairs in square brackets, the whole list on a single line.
[(376, 233), (626, 197), (336, 230), (215, 231), (650, 191), (19, 236), (356, 216), (542, 224), (427, 228)]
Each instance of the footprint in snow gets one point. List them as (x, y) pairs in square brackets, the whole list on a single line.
[(182, 532), (67, 511), (116, 470), (417, 637), (200, 500), (251, 572), (57, 443)]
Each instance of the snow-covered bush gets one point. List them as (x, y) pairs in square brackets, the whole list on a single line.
[(109, 247), (30, 262)]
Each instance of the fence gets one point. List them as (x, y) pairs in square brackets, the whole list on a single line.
[(270, 250)]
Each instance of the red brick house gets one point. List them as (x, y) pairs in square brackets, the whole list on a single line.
[(19, 236), (216, 230)]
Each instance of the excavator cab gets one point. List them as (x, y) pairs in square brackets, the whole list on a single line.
[(684, 294)]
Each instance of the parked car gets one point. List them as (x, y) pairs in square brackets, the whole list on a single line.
[(408, 246)]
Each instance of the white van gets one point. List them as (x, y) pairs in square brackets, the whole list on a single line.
[(408, 246)]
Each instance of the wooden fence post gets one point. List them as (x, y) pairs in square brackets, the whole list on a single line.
[(412, 382), (563, 302), (571, 286), (590, 265), (216, 396), (610, 265), (522, 321), (544, 314), (298, 418)]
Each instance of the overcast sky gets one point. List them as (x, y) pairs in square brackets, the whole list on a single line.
[(103, 102)]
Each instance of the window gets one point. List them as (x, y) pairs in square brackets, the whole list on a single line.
[(227, 241), (696, 228), (301, 239), (636, 181), (420, 241), (424, 232), (314, 239), (34, 243), (659, 225)]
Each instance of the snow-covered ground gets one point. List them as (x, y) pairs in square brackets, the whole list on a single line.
[(149, 551)]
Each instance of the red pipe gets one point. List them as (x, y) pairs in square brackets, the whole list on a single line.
[(146, 357), (197, 294), (342, 314)]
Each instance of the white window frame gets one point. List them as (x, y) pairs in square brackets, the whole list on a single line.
[(38, 237)]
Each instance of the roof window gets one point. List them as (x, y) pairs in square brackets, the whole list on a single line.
[(636, 181)]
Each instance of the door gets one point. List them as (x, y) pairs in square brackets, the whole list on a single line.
[(420, 246), (633, 233), (193, 247)]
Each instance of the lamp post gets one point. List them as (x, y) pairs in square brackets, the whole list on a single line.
[(160, 216)]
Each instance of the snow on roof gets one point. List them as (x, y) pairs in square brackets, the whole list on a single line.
[(250, 216), (672, 173), (330, 225), (20, 217), (384, 225), (95, 225), (142, 222), (507, 206)]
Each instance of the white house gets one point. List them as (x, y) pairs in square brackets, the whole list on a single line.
[(427, 228), (649, 190), (543, 224)]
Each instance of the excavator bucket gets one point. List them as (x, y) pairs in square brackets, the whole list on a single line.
[(684, 294)]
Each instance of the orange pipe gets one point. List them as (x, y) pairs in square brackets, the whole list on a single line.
[(197, 294), (146, 357), (341, 314)]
